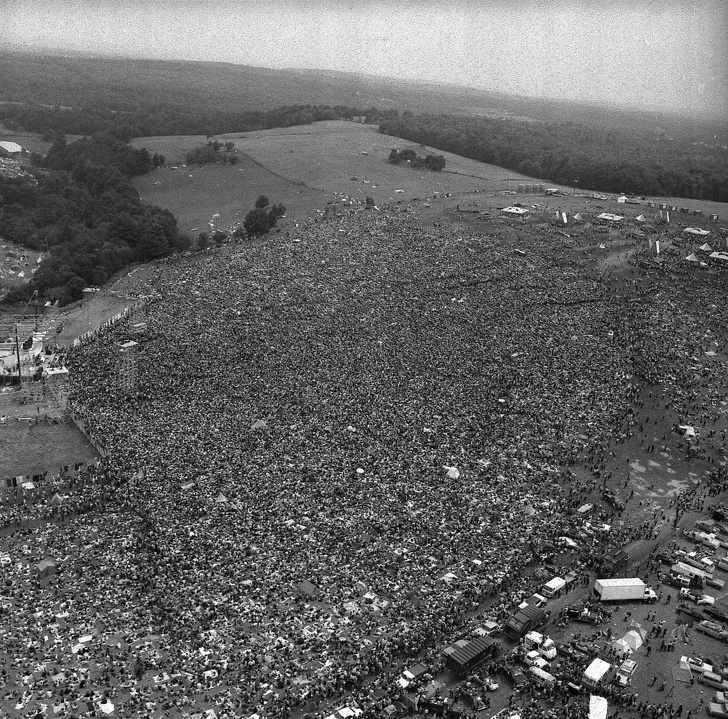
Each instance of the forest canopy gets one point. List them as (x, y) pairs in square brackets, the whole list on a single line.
[(576, 155), (81, 208)]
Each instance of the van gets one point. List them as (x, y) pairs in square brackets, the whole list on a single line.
[(542, 677), (625, 672), (722, 563), (713, 680), (553, 587)]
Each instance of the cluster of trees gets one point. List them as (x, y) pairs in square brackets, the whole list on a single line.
[(160, 119), (213, 151), (572, 154), (263, 217), (82, 209), (431, 162)]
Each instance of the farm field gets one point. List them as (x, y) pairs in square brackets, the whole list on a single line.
[(308, 166), (195, 193)]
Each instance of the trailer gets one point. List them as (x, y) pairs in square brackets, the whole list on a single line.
[(470, 655), (524, 620), (623, 589)]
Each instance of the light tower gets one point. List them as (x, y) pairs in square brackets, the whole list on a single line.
[(128, 377)]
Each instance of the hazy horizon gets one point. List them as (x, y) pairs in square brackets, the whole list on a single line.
[(669, 56)]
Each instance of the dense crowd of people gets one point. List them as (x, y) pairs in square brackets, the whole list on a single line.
[(343, 441)]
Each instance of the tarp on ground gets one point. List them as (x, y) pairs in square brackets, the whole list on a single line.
[(598, 707), (681, 672)]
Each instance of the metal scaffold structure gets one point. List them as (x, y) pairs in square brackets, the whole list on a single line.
[(55, 382), (128, 378)]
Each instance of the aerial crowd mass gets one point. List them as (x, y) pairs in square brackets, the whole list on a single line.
[(348, 442)]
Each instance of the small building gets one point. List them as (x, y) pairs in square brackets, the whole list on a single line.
[(12, 149)]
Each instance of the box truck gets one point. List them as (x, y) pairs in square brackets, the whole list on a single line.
[(553, 587), (623, 590)]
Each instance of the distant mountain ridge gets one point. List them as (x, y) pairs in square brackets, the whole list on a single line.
[(126, 84)]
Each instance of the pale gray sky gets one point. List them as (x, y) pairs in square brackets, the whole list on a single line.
[(669, 54)]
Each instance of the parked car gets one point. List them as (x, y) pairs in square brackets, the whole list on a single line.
[(718, 611), (394, 711), (690, 611), (712, 629), (513, 674), (713, 582), (697, 664), (715, 709), (665, 557), (490, 684)]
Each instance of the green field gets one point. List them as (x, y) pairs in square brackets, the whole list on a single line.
[(304, 167), (195, 193)]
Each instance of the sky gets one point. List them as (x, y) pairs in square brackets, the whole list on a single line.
[(671, 54)]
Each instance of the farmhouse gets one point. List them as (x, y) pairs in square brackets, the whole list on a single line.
[(11, 149)]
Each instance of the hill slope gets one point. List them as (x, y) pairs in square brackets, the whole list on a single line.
[(126, 84)]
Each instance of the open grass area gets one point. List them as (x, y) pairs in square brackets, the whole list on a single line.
[(29, 449), (305, 167), (196, 193)]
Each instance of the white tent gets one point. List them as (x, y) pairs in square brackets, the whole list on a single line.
[(640, 218), (621, 646), (633, 638), (692, 257), (705, 247), (598, 707), (681, 672)]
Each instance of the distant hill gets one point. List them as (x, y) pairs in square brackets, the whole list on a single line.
[(132, 85)]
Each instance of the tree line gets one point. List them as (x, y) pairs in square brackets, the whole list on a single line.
[(430, 162), (576, 155), (80, 208), (171, 119)]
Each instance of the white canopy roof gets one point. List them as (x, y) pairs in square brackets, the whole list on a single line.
[(515, 211), (598, 707), (597, 669)]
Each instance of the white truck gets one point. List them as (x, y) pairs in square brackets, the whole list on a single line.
[(553, 587), (623, 589)]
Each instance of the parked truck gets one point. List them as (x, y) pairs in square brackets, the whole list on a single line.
[(524, 620), (623, 590), (613, 562)]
